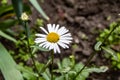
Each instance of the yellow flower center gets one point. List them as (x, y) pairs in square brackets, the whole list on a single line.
[(52, 37)]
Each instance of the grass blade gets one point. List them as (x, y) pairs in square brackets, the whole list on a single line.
[(5, 9), (8, 65), (37, 6), (7, 24), (7, 36), (18, 7)]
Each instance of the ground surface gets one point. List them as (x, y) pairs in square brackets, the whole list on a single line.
[(84, 19)]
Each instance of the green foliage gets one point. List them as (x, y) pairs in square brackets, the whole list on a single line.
[(39, 22), (110, 52), (4, 2), (7, 24), (68, 69), (97, 46), (18, 7), (114, 56), (37, 6), (22, 50), (7, 36), (116, 63), (27, 72), (8, 65), (114, 38), (6, 11)]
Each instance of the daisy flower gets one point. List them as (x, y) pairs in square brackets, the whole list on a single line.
[(54, 37)]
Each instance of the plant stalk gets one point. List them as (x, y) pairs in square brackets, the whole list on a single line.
[(29, 49), (52, 57)]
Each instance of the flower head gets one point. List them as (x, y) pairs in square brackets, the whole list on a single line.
[(24, 17), (54, 37)]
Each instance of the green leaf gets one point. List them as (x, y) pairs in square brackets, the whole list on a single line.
[(71, 74), (111, 52), (118, 65), (7, 24), (84, 74), (64, 70), (3, 2), (7, 36), (59, 64), (36, 48), (27, 71), (59, 78), (18, 7), (66, 63), (97, 70), (5, 9), (78, 66), (37, 6), (97, 46), (44, 67), (46, 75), (8, 65)]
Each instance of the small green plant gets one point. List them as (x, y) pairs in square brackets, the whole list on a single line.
[(68, 68), (114, 56), (113, 40), (116, 63)]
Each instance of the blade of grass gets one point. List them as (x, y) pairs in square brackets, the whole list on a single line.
[(7, 24), (18, 7), (7, 36), (4, 9), (8, 65), (38, 7)]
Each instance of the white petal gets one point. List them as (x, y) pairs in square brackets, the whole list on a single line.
[(65, 41), (42, 44), (41, 35), (63, 45), (39, 41), (62, 31), (66, 35), (51, 46), (57, 27), (47, 45), (44, 30), (49, 26), (57, 48), (66, 38), (53, 27), (54, 47)]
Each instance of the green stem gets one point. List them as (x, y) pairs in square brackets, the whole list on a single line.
[(93, 54), (52, 57), (88, 61), (29, 49)]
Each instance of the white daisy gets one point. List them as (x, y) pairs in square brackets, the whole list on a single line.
[(54, 37)]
